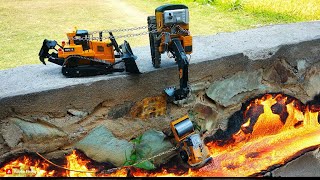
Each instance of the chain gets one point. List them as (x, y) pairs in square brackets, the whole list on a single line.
[(184, 31), (158, 155), (181, 30), (112, 169), (147, 159), (122, 30)]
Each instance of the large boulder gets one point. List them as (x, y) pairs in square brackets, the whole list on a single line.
[(232, 90), (153, 143), (205, 117), (37, 132), (101, 145), (11, 133)]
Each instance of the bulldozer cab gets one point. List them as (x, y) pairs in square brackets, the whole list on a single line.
[(80, 34)]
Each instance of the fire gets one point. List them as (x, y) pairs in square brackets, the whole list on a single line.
[(74, 162), (26, 167), (276, 129), (34, 167)]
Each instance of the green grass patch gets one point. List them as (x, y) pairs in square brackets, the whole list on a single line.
[(26, 23)]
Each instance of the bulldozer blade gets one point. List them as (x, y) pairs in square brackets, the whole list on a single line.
[(131, 65), (129, 59), (44, 51), (42, 60)]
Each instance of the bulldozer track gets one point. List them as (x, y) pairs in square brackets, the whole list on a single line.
[(89, 59)]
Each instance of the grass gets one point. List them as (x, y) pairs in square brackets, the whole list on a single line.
[(25, 23), (214, 16)]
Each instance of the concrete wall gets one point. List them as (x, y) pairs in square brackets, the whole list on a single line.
[(39, 89)]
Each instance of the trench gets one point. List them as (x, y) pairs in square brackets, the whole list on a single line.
[(53, 122)]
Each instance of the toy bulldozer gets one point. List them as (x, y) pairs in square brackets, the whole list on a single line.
[(83, 55), (193, 151)]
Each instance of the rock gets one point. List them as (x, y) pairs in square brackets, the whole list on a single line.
[(312, 80), (77, 113), (102, 146), (205, 116), (236, 88), (302, 65), (200, 86), (1, 140), (3, 146), (36, 132), (120, 110), (280, 73), (307, 165), (11, 133), (152, 143), (58, 154), (128, 128), (261, 54), (149, 107)]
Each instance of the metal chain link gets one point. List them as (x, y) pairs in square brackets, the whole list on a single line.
[(122, 30), (181, 30), (155, 156)]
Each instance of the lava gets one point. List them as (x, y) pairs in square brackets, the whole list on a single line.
[(276, 129)]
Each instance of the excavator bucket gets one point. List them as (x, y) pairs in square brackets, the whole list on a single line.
[(129, 59)]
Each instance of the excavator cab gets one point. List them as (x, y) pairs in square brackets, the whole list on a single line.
[(170, 21), (192, 149), (169, 29)]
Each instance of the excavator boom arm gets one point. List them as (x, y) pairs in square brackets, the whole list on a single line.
[(183, 64)]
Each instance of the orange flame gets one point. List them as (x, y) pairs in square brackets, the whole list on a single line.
[(74, 162), (276, 129), (26, 167)]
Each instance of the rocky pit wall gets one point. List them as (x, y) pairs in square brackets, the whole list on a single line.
[(42, 111)]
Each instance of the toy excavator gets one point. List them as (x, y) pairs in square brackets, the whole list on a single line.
[(192, 149), (83, 57), (170, 33)]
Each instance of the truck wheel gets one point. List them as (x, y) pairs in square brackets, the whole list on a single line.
[(183, 159), (154, 43)]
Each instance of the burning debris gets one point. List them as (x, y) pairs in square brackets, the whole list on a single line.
[(270, 131)]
